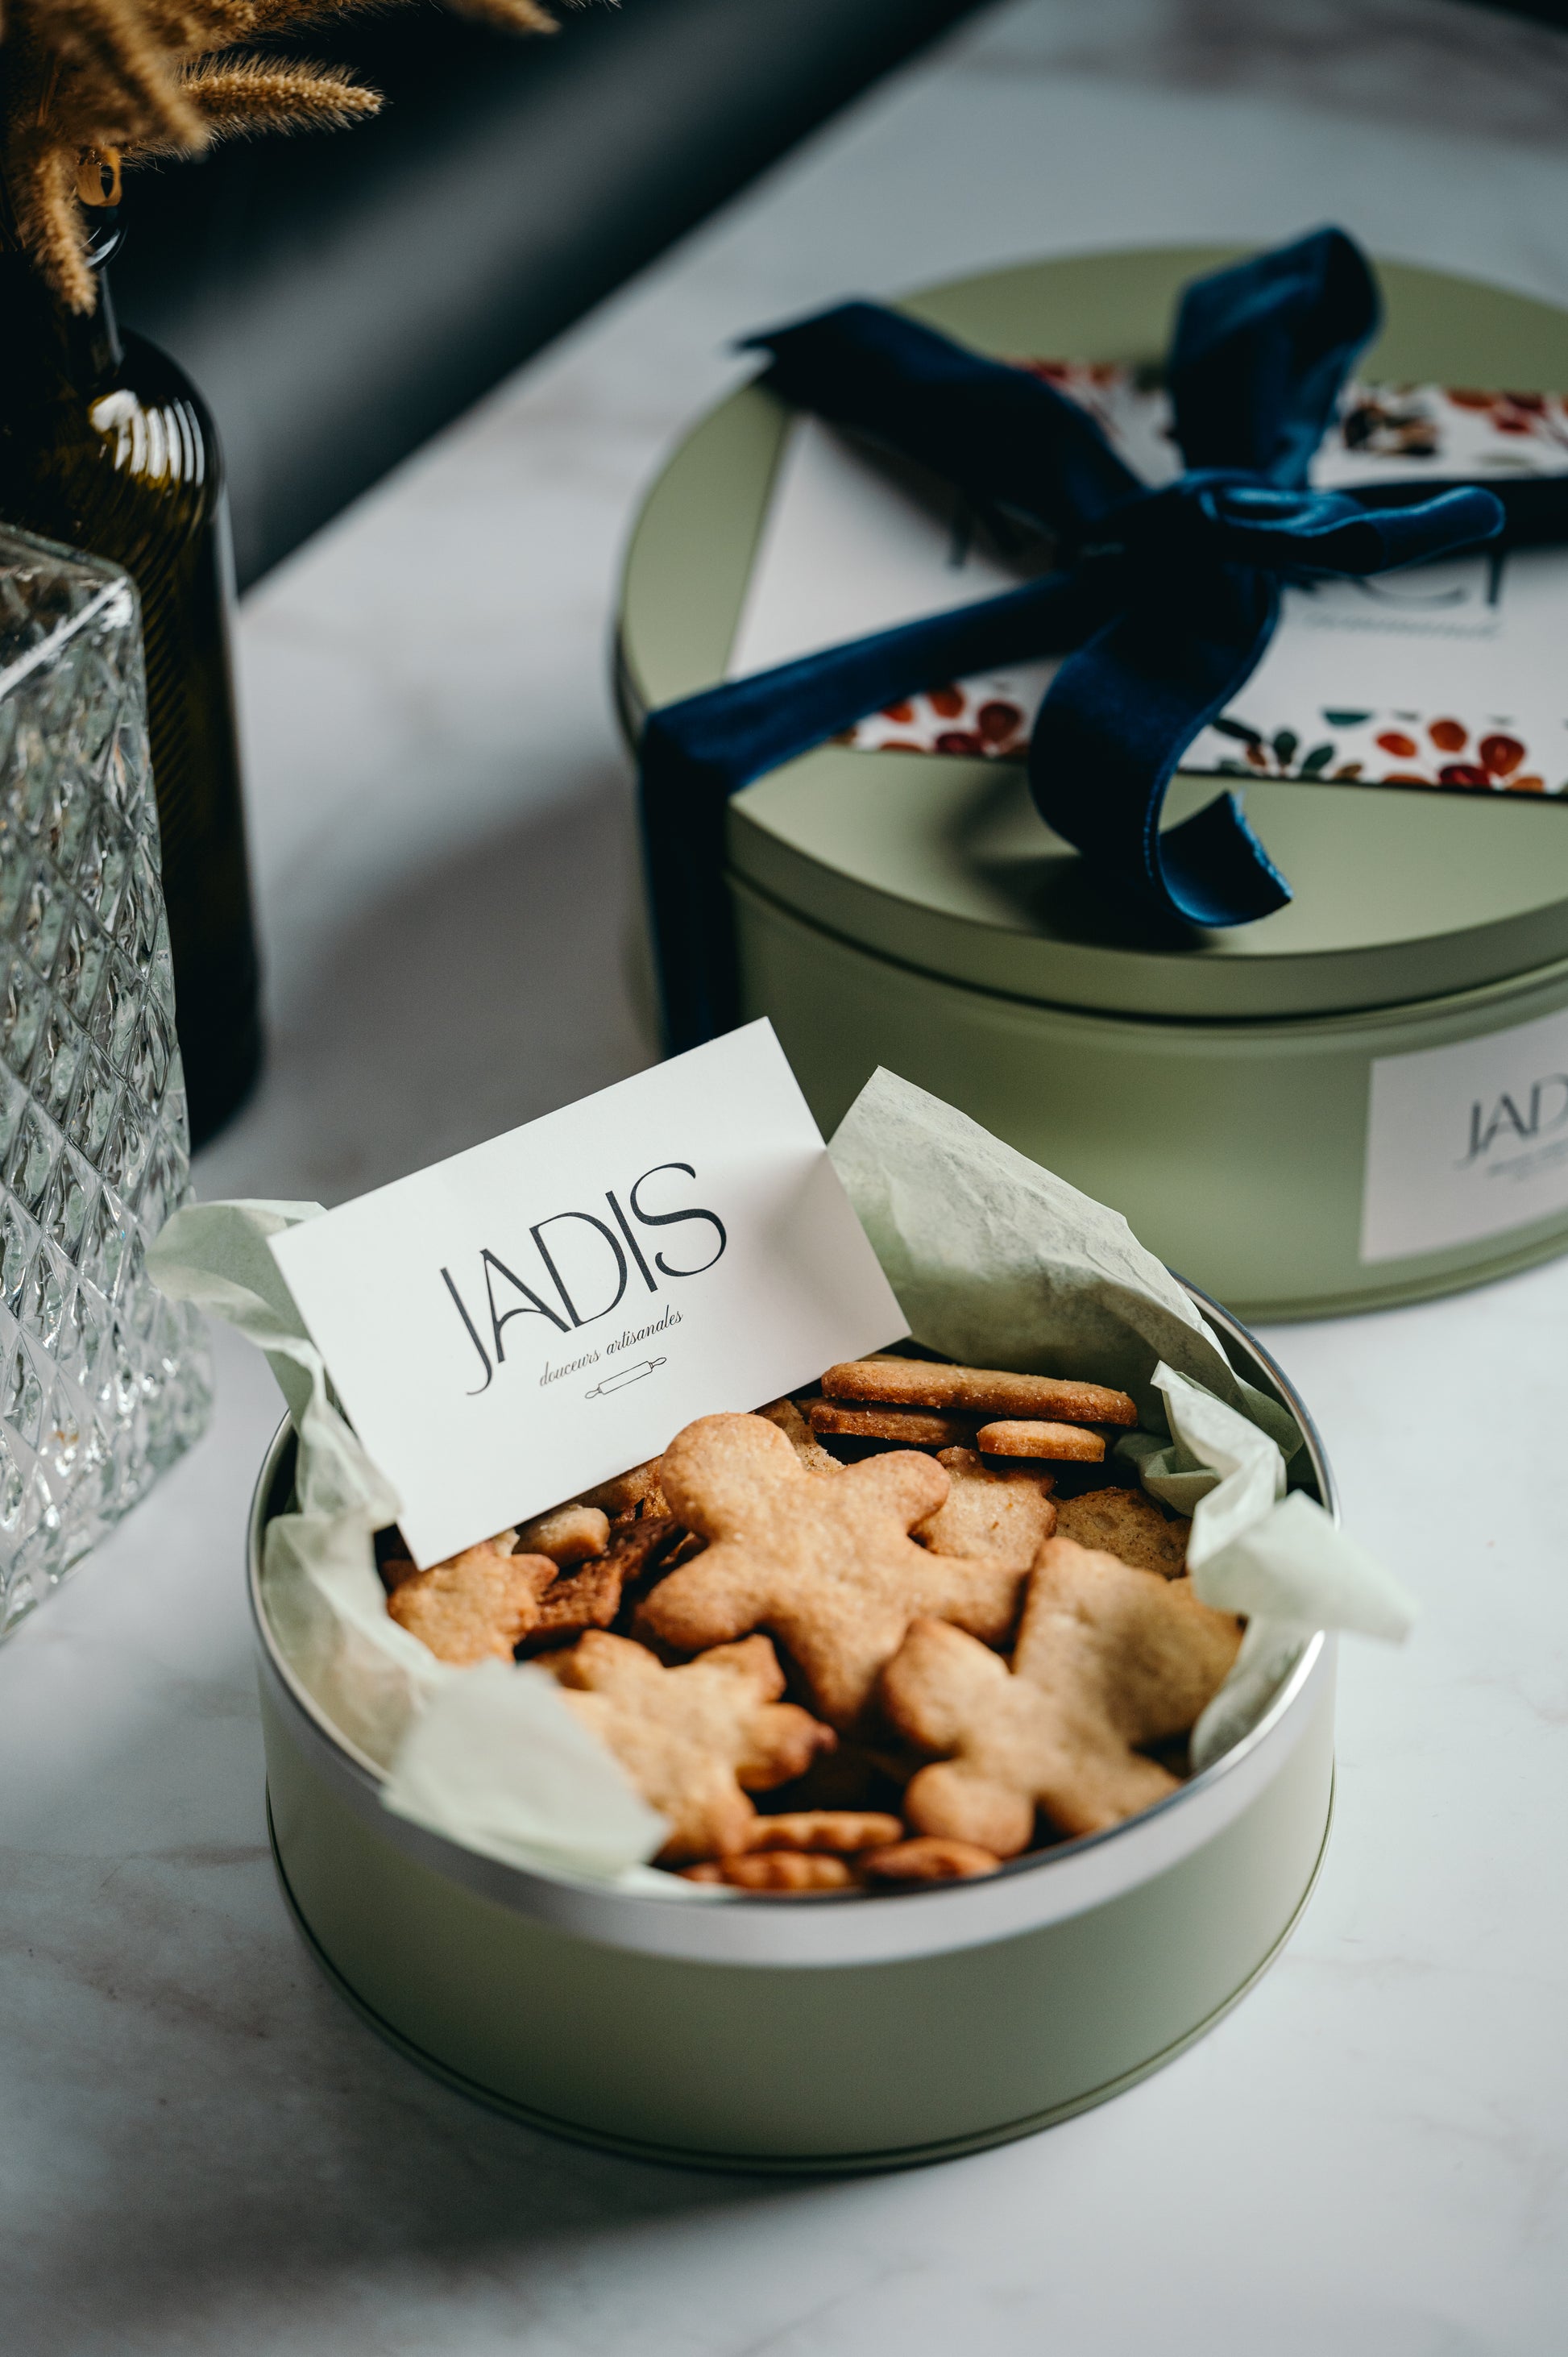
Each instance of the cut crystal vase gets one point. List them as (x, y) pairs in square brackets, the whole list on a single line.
[(102, 1382)]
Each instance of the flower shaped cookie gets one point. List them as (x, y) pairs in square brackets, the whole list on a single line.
[(692, 1738)]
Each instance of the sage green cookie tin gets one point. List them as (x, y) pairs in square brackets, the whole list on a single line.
[(824, 2034), (915, 912)]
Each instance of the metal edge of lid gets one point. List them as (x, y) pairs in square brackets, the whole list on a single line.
[(699, 523), (830, 1929), (1199, 983), (1269, 1030)]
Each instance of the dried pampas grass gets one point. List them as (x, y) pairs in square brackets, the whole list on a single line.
[(87, 84)]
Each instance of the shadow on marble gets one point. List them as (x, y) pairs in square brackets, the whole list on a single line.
[(240, 2150), (476, 993)]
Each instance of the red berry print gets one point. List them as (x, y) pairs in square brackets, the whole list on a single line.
[(1448, 735), (1462, 773), (997, 721), (1500, 754), (1403, 748), (946, 703)]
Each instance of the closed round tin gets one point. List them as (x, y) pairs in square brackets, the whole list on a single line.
[(831, 2033), (1242, 1096)]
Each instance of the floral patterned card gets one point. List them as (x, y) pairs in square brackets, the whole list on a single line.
[(1441, 675)]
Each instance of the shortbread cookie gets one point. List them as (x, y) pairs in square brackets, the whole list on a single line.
[(828, 1566), (990, 1510), (778, 1869), (476, 1606), (690, 1738), (590, 1596), (844, 1831), (640, 1548), (983, 1391), (1107, 1658), (929, 1857), (628, 1494), (1060, 1442), (1129, 1524), (792, 1424), (566, 1534), (915, 1428), (856, 1778), (575, 1601), (395, 1567)]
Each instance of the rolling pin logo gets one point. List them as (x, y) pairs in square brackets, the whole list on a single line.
[(577, 1256), (624, 1375)]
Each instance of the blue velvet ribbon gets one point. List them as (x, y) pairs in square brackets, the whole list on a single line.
[(1164, 607)]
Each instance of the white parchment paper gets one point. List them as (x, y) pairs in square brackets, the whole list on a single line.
[(995, 1262), (491, 1757), (1000, 1263)]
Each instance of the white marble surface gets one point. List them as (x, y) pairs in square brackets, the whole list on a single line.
[(201, 2150)]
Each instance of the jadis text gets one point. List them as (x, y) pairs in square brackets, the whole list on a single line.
[(578, 1264)]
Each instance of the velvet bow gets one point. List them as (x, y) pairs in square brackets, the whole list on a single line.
[(1163, 609)]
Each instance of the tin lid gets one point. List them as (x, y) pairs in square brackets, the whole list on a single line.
[(941, 862)]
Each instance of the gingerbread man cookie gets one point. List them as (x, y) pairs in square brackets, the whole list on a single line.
[(1107, 1658), (692, 1738), (826, 1562)]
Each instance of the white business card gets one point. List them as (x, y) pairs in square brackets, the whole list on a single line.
[(532, 1317)]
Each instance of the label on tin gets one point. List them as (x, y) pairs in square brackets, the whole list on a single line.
[(1466, 1142), (511, 1325)]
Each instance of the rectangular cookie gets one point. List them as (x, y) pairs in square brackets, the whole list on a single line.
[(979, 1391), (916, 1427)]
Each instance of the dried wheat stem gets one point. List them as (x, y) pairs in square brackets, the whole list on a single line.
[(88, 81)]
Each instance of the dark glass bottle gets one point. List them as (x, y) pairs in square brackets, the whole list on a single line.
[(106, 446)]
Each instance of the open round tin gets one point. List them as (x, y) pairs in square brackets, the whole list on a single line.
[(835, 2033)]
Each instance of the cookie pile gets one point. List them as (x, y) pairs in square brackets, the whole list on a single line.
[(902, 1609)]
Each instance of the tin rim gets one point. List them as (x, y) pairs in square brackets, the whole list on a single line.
[(833, 1928)]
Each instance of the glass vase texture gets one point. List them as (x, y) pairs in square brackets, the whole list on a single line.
[(102, 1382), (105, 446)]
